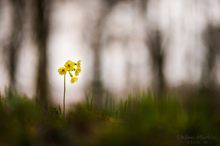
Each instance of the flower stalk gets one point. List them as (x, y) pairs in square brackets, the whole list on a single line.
[(64, 95), (69, 67)]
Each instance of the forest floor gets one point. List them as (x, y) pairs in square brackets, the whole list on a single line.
[(136, 121)]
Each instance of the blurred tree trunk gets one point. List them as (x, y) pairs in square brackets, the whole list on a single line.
[(1, 11), (18, 17), (143, 6), (154, 41), (157, 58), (211, 36), (97, 86), (41, 31)]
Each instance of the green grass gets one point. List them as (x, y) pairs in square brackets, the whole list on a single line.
[(136, 121)]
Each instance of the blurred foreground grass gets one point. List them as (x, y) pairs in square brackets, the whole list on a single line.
[(136, 121)]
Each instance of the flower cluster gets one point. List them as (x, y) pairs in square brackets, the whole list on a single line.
[(73, 68)]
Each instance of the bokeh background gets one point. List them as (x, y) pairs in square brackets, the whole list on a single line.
[(126, 46)]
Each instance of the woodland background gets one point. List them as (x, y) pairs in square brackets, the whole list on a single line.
[(126, 46)]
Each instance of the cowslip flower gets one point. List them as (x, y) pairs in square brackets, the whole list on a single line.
[(69, 67), (78, 64), (62, 70), (73, 79), (77, 71)]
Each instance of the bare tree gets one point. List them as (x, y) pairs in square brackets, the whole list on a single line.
[(97, 86), (1, 10), (155, 42), (13, 48), (211, 36), (143, 5), (41, 31), (157, 58)]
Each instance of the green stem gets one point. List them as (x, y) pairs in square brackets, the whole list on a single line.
[(64, 95), (71, 75)]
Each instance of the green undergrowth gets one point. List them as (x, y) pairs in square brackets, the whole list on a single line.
[(136, 121)]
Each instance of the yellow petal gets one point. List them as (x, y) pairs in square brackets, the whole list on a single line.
[(78, 64), (62, 70), (73, 79), (69, 65), (76, 72)]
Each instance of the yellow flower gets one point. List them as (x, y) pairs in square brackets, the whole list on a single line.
[(73, 79), (78, 64), (69, 65), (62, 70), (78, 70)]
